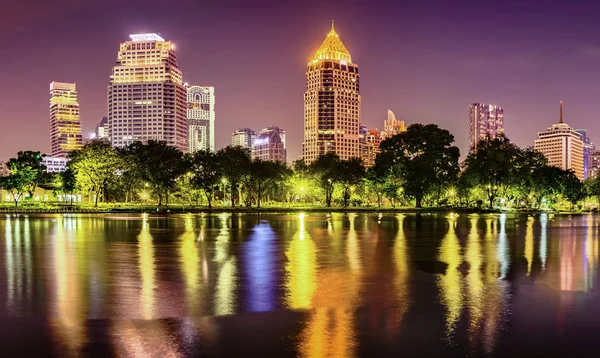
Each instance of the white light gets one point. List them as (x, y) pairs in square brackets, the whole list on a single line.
[(146, 37)]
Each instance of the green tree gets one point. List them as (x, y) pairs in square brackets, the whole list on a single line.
[(206, 173), (95, 166), (33, 161), (263, 176), (18, 181), (350, 173), (65, 183), (375, 181), (160, 165), (546, 183), (234, 163), (325, 170), (423, 156), (571, 187)]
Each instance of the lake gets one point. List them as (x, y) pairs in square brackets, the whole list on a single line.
[(308, 285)]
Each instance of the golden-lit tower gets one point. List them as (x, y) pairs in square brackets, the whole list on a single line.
[(65, 128), (331, 102), (146, 96)]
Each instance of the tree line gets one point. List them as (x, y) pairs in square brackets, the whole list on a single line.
[(419, 167)]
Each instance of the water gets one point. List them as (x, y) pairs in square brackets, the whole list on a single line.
[(299, 285)]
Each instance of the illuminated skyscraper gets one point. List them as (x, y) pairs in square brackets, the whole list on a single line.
[(486, 121), (201, 118), (392, 126), (65, 128), (369, 141), (243, 137), (270, 145), (562, 146), (331, 102), (146, 96), (588, 148)]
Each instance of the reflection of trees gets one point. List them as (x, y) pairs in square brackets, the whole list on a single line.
[(189, 258), (450, 284), (330, 329), (475, 287), (227, 271)]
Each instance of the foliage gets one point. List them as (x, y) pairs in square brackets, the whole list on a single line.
[(205, 172), (325, 170), (65, 183), (350, 174), (234, 162), (263, 176)]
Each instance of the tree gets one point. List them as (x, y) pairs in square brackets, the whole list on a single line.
[(33, 161), (325, 170), (65, 183), (423, 156), (234, 162), (206, 172), (350, 173), (95, 165), (160, 165), (546, 183), (493, 166), (375, 181), (263, 176), (18, 181), (571, 187)]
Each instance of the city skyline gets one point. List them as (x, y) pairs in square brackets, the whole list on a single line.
[(406, 63)]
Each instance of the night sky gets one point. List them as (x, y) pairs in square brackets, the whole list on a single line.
[(425, 60)]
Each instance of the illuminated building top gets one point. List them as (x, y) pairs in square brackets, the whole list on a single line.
[(146, 37), (332, 48)]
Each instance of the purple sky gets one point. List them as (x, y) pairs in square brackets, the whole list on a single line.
[(425, 60)]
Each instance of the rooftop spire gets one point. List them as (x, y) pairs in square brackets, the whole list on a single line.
[(332, 25), (560, 112), (332, 48)]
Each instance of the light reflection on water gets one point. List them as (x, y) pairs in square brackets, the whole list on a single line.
[(309, 285)]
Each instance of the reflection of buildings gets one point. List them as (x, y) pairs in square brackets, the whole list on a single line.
[(301, 269), (259, 268), (147, 267), (450, 284), (225, 297)]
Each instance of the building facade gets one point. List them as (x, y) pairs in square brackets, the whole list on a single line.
[(486, 121), (331, 102), (65, 127), (201, 118), (588, 148), (562, 146), (594, 163), (101, 131), (146, 96), (243, 137), (369, 141), (55, 164), (270, 145), (392, 126)]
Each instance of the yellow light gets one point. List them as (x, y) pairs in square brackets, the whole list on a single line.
[(450, 284)]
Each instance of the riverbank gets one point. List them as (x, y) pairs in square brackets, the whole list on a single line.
[(180, 209)]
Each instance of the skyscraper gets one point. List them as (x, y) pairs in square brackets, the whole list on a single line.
[(65, 128), (270, 145), (101, 131), (146, 96), (588, 148), (392, 126), (369, 141), (201, 118), (243, 137), (486, 121), (331, 102), (562, 146)]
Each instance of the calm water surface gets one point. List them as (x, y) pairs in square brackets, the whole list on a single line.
[(311, 285)]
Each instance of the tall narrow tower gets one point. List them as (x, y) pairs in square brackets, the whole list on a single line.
[(65, 128), (201, 118), (146, 96), (331, 102)]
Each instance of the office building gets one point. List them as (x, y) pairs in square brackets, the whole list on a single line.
[(486, 121), (101, 131), (65, 128), (270, 145), (243, 137), (54, 164), (369, 141), (594, 162), (588, 147), (392, 126), (331, 102), (562, 146), (201, 118), (146, 96)]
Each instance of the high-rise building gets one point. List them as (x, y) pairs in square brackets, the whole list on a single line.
[(392, 126), (65, 128), (101, 131), (486, 121), (243, 137), (588, 147), (146, 96), (201, 118), (331, 102), (594, 162), (562, 146), (270, 145), (369, 141)]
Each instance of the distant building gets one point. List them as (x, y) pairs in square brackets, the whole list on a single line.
[(369, 141), (486, 121), (562, 146), (243, 137), (146, 96), (588, 147), (55, 164), (101, 131), (65, 128), (392, 126), (201, 118), (270, 145), (331, 102), (594, 162)]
